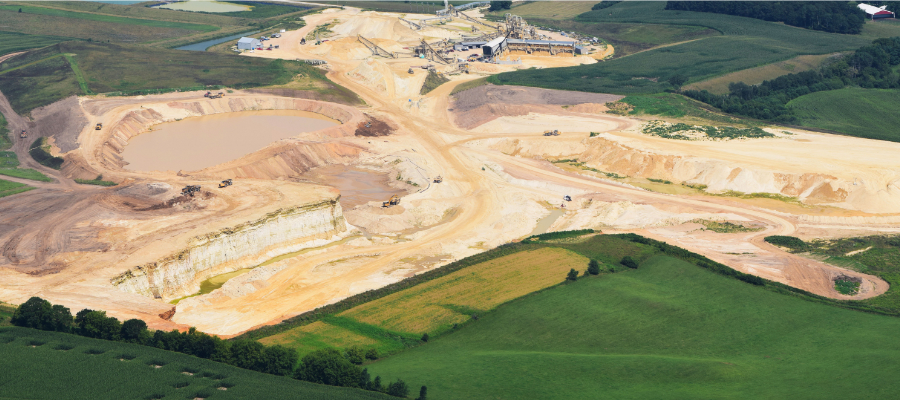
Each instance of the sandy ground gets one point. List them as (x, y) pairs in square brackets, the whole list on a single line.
[(497, 186)]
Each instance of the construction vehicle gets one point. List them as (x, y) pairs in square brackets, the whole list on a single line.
[(226, 183), (439, 179), (189, 190), (567, 198), (207, 94), (99, 126), (23, 134), (410, 70), (551, 133), (302, 41), (392, 202)]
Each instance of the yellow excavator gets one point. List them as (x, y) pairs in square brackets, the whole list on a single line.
[(392, 202), (99, 126), (226, 183)]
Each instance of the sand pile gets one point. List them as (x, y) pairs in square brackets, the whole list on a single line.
[(373, 26)]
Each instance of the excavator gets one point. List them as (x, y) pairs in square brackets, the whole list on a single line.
[(189, 190), (551, 133), (439, 179), (226, 183), (392, 202), (99, 126)]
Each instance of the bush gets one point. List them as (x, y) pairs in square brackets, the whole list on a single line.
[(572, 275), (425, 336), (790, 242), (398, 389), (328, 367), (355, 354), (372, 354), (593, 267), (629, 262)]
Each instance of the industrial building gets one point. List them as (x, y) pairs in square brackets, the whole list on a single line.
[(246, 43), (875, 12)]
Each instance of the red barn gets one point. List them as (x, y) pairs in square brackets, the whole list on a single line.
[(875, 12)]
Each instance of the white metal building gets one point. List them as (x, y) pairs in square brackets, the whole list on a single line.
[(246, 43), (875, 12)]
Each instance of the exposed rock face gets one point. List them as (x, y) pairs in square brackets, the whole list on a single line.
[(233, 248)]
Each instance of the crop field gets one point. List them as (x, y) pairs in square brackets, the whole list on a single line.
[(746, 43), (419, 7), (865, 113), (436, 305), (49, 365), (141, 12), (755, 76), (13, 41), (388, 324), (548, 10), (8, 188), (665, 330), (40, 78)]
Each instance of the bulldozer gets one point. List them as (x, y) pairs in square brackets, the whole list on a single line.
[(23, 134), (551, 133), (226, 183), (99, 126), (439, 179), (392, 202)]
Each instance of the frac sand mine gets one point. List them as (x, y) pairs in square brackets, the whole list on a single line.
[(136, 248)]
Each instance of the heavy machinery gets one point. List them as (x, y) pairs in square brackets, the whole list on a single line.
[(439, 179), (551, 133), (226, 183), (392, 202), (302, 41), (189, 190), (99, 126), (410, 70), (207, 94), (23, 134), (567, 198)]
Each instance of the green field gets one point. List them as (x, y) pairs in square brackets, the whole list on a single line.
[(546, 10), (50, 365), (745, 43), (866, 113), (44, 76), (24, 9), (8, 188), (13, 41), (665, 330), (755, 76)]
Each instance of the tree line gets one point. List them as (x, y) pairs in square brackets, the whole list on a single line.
[(828, 16), (871, 66), (326, 366)]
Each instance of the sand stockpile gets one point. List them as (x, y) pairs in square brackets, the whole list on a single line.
[(373, 26)]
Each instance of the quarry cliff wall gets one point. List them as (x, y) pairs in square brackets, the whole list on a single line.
[(233, 248)]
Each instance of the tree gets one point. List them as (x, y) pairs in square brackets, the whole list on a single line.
[(593, 267), (95, 324), (677, 80), (425, 337), (376, 385), (355, 354), (423, 393), (135, 331), (247, 354), (398, 389), (372, 354), (500, 5), (329, 367), (279, 360), (629, 262), (34, 313), (60, 319), (572, 275)]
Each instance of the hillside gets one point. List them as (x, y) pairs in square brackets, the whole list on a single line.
[(867, 113), (49, 365), (665, 330)]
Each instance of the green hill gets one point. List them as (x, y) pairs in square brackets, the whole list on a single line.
[(665, 330), (50, 365), (867, 113)]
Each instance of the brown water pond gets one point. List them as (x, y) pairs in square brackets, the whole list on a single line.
[(201, 142), (357, 185)]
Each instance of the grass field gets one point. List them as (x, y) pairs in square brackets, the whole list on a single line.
[(665, 330), (866, 113), (42, 77), (8, 188), (419, 7), (745, 43), (546, 10), (755, 76), (49, 365), (677, 106), (13, 42)]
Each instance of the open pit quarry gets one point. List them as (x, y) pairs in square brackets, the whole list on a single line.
[(304, 221)]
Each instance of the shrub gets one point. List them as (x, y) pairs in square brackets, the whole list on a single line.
[(593, 267), (629, 262), (425, 336), (355, 354), (788, 241), (372, 354), (572, 275), (398, 389)]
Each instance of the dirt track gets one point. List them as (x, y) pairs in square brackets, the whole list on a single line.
[(489, 196)]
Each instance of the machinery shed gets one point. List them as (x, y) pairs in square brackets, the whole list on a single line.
[(876, 12), (246, 43), (494, 47)]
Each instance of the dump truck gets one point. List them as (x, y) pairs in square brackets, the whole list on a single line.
[(226, 183), (439, 179), (23, 134), (551, 133), (392, 202), (99, 126)]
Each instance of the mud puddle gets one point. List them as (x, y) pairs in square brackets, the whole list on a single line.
[(545, 223), (201, 142), (357, 186)]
